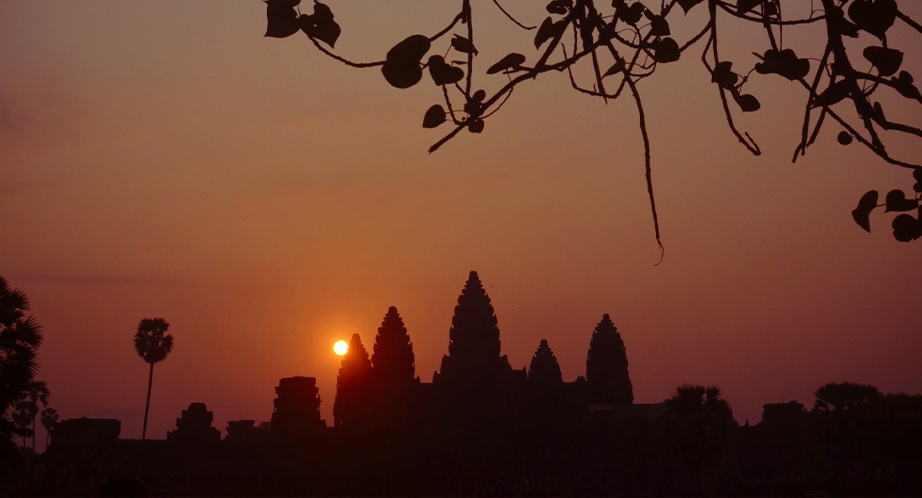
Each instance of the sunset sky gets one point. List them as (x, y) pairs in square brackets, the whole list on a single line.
[(163, 159)]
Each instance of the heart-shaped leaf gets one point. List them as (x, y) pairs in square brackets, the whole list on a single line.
[(845, 27), (688, 4), (723, 76), (510, 62), (886, 60), (906, 228), (897, 201), (659, 26), (748, 103), (476, 126), (434, 116), (630, 14), (845, 138), (665, 50), (862, 213), (402, 75), (832, 95), (903, 84), (411, 49), (874, 17), (744, 6), (786, 63), (282, 20), (321, 25), (443, 73), (401, 67), (462, 44), (473, 106)]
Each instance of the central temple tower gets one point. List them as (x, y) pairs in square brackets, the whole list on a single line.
[(474, 346)]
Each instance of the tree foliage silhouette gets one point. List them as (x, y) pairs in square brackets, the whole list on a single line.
[(859, 424), (20, 338), (699, 420), (36, 392), (49, 418), (153, 344), (608, 49)]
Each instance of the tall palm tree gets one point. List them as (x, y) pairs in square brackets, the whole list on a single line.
[(153, 344), (700, 419), (49, 421), (37, 391), (20, 337)]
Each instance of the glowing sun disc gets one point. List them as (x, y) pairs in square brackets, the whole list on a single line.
[(340, 347)]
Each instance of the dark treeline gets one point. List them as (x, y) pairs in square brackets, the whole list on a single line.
[(483, 428)]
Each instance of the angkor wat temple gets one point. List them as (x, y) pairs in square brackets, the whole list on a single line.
[(481, 427)]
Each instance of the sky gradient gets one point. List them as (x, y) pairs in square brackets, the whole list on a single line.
[(163, 159)]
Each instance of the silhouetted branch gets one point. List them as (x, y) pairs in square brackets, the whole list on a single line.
[(804, 141), (341, 59), (906, 19), (647, 166), (448, 28), (517, 23), (747, 142), (637, 28)]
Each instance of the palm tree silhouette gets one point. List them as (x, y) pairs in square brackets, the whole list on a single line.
[(37, 392), (20, 337), (49, 418), (153, 344), (700, 419)]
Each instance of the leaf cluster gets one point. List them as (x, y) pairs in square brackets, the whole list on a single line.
[(619, 45), (151, 341)]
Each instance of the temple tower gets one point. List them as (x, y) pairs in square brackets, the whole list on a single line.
[(393, 361), (353, 387), (474, 346), (297, 407), (606, 366)]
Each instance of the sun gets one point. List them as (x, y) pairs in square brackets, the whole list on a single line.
[(341, 347)]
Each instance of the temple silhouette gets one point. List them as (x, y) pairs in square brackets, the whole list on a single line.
[(481, 427)]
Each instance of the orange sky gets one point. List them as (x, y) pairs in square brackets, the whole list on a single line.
[(163, 159)]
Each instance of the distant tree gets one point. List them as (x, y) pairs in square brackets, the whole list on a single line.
[(843, 412), (544, 368), (36, 393), (353, 385), (700, 419), (23, 414), (846, 396), (393, 361), (898, 422), (608, 48), (20, 338), (606, 365), (49, 418), (153, 344)]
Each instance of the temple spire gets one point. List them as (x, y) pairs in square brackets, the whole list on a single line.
[(353, 385), (606, 366), (544, 368), (474, 345), (393, 360)]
